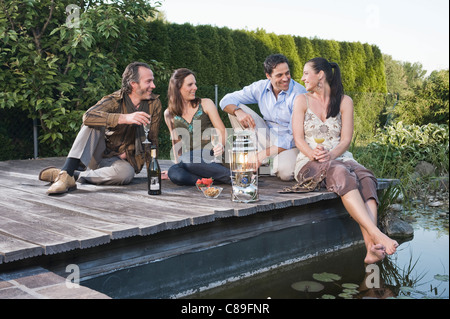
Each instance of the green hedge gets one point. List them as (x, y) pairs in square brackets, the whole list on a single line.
[(233, 59), (229, 58)]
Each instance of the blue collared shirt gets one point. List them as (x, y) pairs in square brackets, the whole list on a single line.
[(277, 112)]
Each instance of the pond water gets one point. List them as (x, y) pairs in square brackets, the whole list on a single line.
[(418, 270)]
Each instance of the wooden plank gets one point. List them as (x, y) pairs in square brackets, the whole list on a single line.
[(51, 242), (73, 214), (223, 206), (113, 230), (94, 204), (22, 213), (164, 208), (164, 212), (173, 217), (141, 208), (13, 249), (36, 223), (191, 197), (191, 201), (220, 207)]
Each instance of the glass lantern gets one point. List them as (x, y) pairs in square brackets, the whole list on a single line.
[(244, 172)]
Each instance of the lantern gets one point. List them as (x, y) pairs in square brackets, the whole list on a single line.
[(244, 172)]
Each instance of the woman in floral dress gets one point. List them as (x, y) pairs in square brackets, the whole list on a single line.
[(322, 123)]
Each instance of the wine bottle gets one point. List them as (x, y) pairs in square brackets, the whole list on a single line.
[(154, 174)]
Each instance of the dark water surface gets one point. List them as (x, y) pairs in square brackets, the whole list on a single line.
[(418, 270)]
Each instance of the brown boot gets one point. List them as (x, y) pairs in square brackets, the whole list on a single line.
[(63, 183), (49, 174)]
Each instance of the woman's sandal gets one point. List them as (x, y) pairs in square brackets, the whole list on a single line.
[(306, 185)]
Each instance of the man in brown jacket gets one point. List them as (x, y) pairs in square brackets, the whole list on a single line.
[(110, 140)]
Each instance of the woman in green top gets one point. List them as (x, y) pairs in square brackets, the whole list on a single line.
[(191, 121)]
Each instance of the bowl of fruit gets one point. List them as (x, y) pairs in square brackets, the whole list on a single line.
[(204, 182)]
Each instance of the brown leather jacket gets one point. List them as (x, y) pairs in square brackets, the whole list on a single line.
[(120, 138)]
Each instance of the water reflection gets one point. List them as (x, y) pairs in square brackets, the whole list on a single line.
[(407, 274)]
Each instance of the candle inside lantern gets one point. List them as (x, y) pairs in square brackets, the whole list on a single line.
[(244, 174)]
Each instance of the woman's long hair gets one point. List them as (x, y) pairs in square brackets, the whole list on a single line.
[(173, 93), (334, 80)]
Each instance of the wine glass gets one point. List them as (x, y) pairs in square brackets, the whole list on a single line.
[(215, 141), (146, 130), (319, 137)]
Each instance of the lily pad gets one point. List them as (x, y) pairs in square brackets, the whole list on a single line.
[(326, 277), (407, 289), (345, 296), (410, 290), (350, 291), (441, 277), (350, 286), (328, 297), (308, 286)]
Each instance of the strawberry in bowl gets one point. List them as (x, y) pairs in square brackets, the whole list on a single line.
[(204, 182)]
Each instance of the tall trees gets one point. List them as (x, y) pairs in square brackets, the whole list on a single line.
[(53, 61), (421, 100), (427, 102)]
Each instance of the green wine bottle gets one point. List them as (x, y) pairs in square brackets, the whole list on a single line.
[(154, 174)]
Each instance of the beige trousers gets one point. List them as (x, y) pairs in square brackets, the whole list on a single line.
[(88, 147), (283, 163)]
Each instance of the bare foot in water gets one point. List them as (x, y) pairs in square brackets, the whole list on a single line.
[(375, 254), (389, 244)]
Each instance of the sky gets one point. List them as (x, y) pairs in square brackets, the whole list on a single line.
[(408, 30)]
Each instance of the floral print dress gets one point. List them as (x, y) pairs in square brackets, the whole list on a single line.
[(330, 130)]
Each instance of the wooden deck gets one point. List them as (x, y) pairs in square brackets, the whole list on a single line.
[(35, 224)]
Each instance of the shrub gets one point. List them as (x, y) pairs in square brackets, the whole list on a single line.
[(400, 147)]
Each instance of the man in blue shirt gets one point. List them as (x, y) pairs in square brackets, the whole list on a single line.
[(275, 98)]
